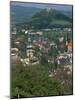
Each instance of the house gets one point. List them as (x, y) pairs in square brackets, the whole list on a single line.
[(63, 60), (61, 39), (14, 50), (70, 56), (69, 45), (46, 30), (23, 30), (14, 32), (14, 55), (52, 44), (68, 29), (39, 33), (36, 33)]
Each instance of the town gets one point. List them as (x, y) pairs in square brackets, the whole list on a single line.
[(38, 45), (36, 48)]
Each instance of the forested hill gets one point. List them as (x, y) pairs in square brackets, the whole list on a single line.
[(50, 18)]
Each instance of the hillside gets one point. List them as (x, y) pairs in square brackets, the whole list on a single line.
[(50, 18), (67, 13)]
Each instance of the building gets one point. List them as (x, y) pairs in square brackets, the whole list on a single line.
[(52, 44), (14, 55), (61, 39), (63, 60), (29, 48), (14, 50), (29, 51), (35, 33), (69, 45)]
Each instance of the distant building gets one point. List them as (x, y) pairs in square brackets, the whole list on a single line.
[(17, 42), (23, 30), (14, 55), (39, 33), (46, 29), (14, 32), (61, 39), (29, 51), (14, 49), (63, 60), (68, 29), (14, 52), (36, 33), (69, 45), (29, 47), (52, 44)]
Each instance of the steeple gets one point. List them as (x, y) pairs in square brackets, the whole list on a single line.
[(29, 47)]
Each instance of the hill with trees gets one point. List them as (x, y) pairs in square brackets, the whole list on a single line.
[(50, 18)]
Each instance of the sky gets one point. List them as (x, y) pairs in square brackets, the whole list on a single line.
[(42, 5)]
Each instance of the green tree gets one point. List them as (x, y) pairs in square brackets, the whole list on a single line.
[(53, 53)]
